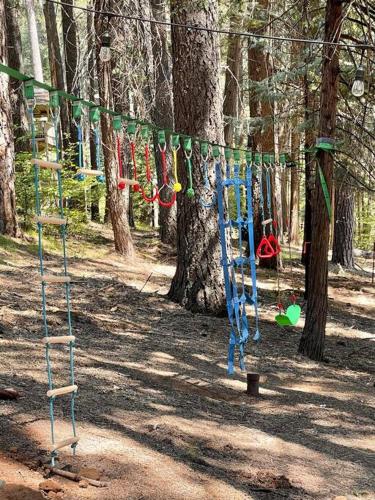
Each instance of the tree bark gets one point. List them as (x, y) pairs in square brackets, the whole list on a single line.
[(232, 77), (198, 281), (70, 46), (116, 197), (294, 189), (34, 40), (92, 89), (162, 110), (15, 61), (344, 227), (56, 65), (8, 219), (263, 136), (313, 336), (71, 58), (309, 105)]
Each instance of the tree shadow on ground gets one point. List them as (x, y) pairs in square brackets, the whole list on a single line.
[(137, 353)]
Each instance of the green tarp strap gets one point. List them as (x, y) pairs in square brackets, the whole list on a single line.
[(325, 192)]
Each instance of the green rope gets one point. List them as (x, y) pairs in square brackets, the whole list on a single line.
[(188, 152)]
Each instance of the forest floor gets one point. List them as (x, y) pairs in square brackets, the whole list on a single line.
[(157, 415)]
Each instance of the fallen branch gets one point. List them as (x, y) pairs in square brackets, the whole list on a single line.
[(9, 394), (76, 477)]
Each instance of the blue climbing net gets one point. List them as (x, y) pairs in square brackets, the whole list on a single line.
[(236, 267)]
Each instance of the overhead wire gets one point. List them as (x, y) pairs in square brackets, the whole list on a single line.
[(190, 27)]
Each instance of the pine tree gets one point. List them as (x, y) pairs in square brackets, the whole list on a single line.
[(8, 220), (197, 283)]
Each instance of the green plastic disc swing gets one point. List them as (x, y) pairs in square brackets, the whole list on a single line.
[(291, 316)]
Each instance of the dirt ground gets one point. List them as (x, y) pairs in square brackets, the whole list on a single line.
[(157, 415)]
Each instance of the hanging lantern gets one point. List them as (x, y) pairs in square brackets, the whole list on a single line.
[(358, 88), (105, 49)]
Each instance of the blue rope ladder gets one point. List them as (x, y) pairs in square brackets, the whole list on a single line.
[(47, 279), (237, 296)]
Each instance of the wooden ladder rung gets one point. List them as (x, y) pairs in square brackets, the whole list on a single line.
[(62, 390), (128, 182), (51, 278), (65, 442), (47, 164), (88, 171), (61, 339), (46, 219)]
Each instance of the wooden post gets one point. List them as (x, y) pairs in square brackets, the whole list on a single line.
[(253, 384)]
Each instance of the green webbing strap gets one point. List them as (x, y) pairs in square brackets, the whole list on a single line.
[(117, 123), (95, 115), (216, 151), (131, 129), (325, 192), (161, 138), (145, 133), (328, 146), (77, 109), (89, 104)]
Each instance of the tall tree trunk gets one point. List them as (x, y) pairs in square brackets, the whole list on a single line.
[(162, 111), (198, 281), (344, 227), (34, 40), (313, 336), (116, 198), (294, 186), (15, 61), (70, 46), (56, 65), (71, 57), (309, 117), (260, 69), (92, 89), (8, 220), (232, 77)]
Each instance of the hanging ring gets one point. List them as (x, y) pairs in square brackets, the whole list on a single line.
[(167, 204), (188, 154)]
